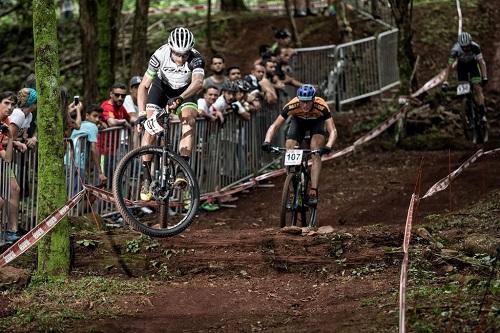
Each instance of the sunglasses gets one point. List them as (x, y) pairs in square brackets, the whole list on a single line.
[(119, 95), (180, 55)]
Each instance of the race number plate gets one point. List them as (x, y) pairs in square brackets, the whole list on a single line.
[(293, 157), (152, 126), (463, 88)]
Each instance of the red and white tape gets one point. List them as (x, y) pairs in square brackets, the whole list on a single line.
[(445, 181), (436, 188), (404, 264), (35, 234)]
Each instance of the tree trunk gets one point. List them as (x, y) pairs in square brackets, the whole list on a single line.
[(233, 6), (140, 38), (108, 19), (374, 8), (342, 22), (295, 32), (53, 251), (402, 11), (210, 44), (88, 36)]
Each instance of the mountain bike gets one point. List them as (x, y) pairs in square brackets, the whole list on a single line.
[(173, 206), (475, 124), (295, 188)]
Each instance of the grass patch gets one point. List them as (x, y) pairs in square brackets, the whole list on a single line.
[(457, 292), (49, 305)]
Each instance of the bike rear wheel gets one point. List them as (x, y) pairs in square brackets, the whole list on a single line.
[(172, 207)]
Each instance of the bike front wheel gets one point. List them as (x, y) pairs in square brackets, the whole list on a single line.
[(173, 189), (293, 206)]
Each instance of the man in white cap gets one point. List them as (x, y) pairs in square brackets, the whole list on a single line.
[(130, 102)]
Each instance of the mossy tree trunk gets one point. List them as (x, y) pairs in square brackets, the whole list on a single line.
[(88, 37), (402, 10), (53, 251), (108, 21), (140, 38)]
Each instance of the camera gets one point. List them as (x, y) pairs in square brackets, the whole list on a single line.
[(76, 100), (4, 129)]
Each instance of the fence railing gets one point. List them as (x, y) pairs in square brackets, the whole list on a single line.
[(350, 71)]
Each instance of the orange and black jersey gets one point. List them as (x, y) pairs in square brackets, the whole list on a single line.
[(320, 110)]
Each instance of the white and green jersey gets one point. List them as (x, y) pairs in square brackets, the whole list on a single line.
[(162, 66)]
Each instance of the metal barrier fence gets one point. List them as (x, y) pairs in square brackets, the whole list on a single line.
[(350, 71), (222, 155)]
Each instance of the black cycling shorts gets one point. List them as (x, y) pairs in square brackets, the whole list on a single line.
[(469, 71), (299, 127), (160, 93)]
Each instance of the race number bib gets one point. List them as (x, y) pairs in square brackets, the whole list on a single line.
[(152, 126), (463, 88), (293, 157)]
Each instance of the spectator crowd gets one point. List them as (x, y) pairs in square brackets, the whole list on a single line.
[(226, 90)]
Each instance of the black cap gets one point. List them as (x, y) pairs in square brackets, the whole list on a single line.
[(281, 34), (135, 80)]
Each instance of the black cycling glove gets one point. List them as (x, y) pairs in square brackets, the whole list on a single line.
[(140, 119), (325, 150), (174, 102), (484, 81), (444, 86), (266, 146)]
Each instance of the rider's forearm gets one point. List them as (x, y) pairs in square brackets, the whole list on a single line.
[(482, 66), (195, 86), (446, 73), (332, 130), (270, 133), (141, 100)]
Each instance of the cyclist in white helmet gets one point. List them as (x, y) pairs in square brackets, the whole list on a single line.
[(470, 67), (175, 74)]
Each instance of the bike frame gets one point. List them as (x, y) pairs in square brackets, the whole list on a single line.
[(474, 129), (300, 187)]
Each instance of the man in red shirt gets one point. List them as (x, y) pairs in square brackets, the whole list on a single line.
[(114, 115)]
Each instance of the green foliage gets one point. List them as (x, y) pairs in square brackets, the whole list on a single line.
[(90, 243), (134, 245)]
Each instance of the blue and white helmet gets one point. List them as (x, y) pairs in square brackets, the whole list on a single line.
[(306, 93), (181, 40), (464, 39)]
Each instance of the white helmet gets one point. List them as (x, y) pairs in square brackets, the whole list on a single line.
[(181, 40), (464, 39)]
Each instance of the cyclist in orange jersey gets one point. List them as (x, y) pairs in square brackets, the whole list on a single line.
[(308, 113)]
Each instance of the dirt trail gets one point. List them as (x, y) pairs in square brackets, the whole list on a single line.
[(234, 271)]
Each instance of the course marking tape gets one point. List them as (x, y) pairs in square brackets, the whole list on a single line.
[(41, 229), (445, 181), (404, 264)]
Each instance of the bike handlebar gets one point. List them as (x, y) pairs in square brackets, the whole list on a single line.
[(279, 150)]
